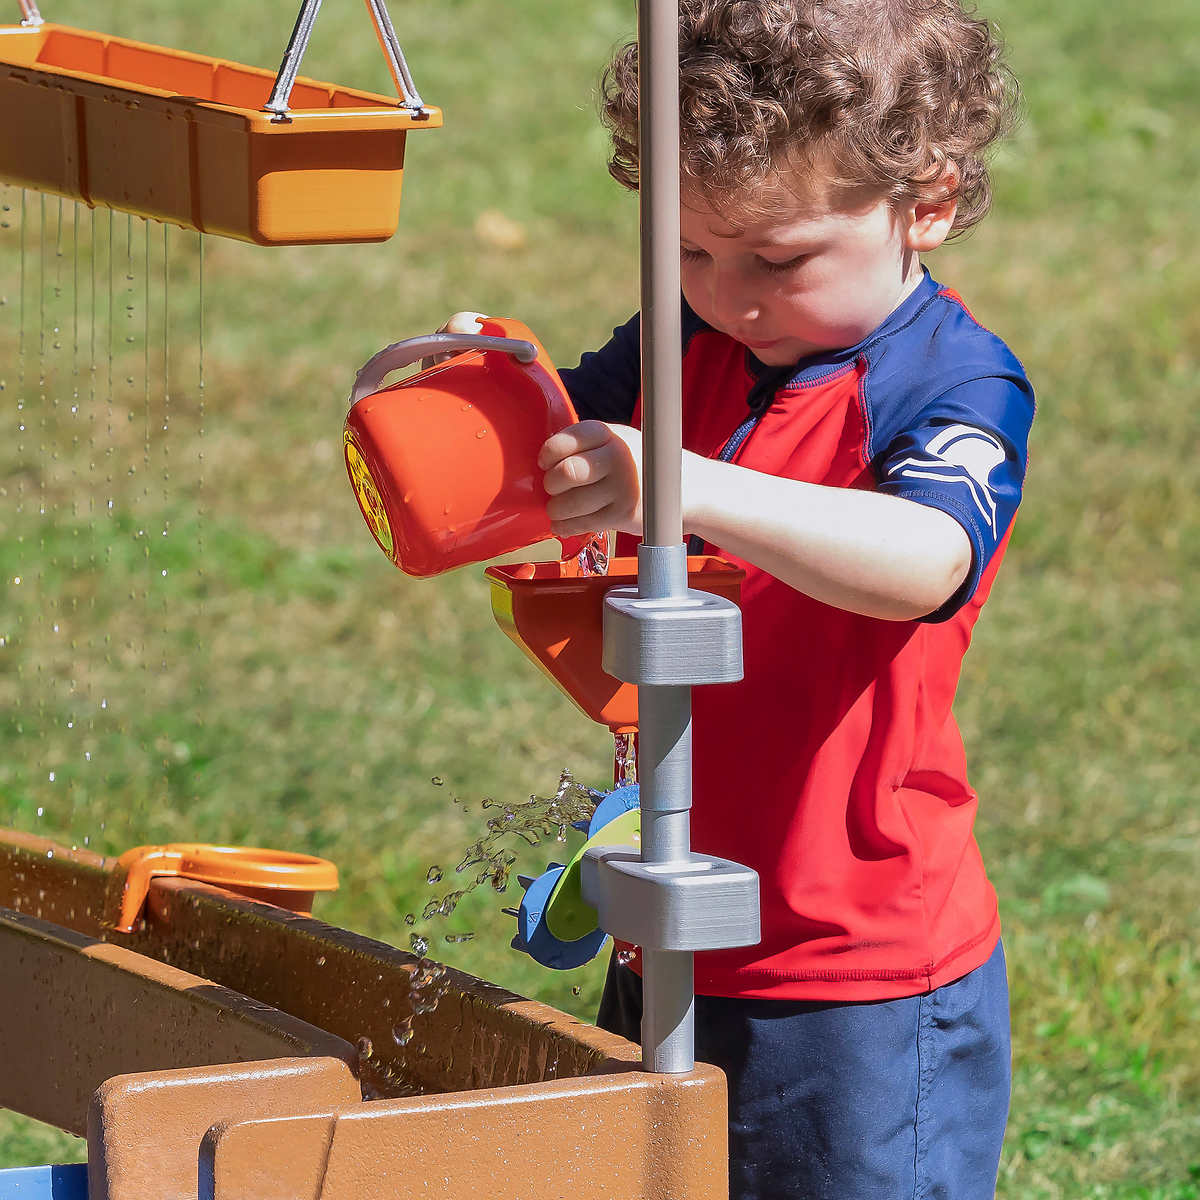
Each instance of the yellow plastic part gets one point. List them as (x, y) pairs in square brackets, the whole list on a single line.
[(276, 876), (183, 138)]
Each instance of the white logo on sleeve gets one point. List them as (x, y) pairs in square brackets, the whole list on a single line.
[(959, 454)]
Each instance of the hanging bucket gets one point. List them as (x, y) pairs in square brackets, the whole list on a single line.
[(204, 143), (444, 464)]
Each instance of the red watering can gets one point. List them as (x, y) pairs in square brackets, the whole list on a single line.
[(444, 463)]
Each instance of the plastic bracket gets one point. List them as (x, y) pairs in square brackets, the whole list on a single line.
[(673, 641), (699, 903)]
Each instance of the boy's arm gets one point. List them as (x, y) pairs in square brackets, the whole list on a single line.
[(605, 385), (874, 554), (948, 484), (867, 552)]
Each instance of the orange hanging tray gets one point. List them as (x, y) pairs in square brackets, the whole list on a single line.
[(183, 138)]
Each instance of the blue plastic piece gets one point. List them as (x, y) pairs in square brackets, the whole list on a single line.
[(618, 801), (533, 934), (44, 1183), (534, 937)]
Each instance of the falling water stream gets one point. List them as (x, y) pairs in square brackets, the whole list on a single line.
[(87, 387), (102, 354)]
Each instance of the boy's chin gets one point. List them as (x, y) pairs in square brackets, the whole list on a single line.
[(780, 355)]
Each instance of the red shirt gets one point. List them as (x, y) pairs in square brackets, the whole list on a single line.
[(835, 767)]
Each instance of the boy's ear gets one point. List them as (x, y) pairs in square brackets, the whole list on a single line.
[(931, 216)]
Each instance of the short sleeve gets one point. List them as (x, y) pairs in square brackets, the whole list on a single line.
[(965, 453), (605, 385)]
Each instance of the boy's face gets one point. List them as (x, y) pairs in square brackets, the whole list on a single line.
[(819, 273)]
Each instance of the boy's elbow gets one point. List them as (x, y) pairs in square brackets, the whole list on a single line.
[(941, 580)]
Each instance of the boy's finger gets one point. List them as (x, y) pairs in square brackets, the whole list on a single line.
[(606, 518), (464, 322), (577, 470), (582, 502), (575, 439), (460, 322)]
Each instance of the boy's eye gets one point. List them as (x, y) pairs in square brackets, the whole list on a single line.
[(790, 265), (689, 255)]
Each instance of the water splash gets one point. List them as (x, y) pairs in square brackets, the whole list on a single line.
[(488, 860), (593, 558), (624, 759)]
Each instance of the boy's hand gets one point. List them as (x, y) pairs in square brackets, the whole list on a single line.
[(593, 474), (461, 322)]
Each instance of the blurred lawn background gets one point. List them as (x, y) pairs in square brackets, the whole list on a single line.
[(222, 654)]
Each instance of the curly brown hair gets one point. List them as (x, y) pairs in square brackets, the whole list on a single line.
[(866, 93)]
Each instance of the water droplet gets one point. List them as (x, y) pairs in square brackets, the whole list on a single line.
[(624, 957), (420, 945), (40, 810), (366, 1048), (576, 990), (437, 780), (51, 776), (321, 961), (403, 1033), (434, 875), (410, 919), (481, 433)]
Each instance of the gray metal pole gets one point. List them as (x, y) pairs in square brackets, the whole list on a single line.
[(664, 713), (658, 132)]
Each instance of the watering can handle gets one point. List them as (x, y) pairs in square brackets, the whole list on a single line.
[(403, 354)]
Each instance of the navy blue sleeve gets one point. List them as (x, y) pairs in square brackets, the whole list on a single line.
[(965, 453), (605, 385)]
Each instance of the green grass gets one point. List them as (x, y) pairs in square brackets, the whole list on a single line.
[(282, 684)]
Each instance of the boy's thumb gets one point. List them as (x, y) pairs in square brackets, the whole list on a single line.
[(461, 322)]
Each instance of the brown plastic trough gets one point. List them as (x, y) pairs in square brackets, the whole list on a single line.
[(228, 1045)]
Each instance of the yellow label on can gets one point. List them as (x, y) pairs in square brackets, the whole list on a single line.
[(369, 499)]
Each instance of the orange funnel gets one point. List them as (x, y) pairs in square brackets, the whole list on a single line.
[(556, 616)]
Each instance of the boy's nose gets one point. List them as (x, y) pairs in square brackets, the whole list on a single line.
[(733, 303)]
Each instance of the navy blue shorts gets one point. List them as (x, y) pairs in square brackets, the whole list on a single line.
[(886, 1100)]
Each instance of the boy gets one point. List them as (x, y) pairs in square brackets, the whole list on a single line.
[(857, 442)]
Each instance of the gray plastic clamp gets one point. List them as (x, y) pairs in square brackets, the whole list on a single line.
[(700, 903), (677, 640)]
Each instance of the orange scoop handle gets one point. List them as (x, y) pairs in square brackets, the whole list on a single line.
[(276, 876)]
